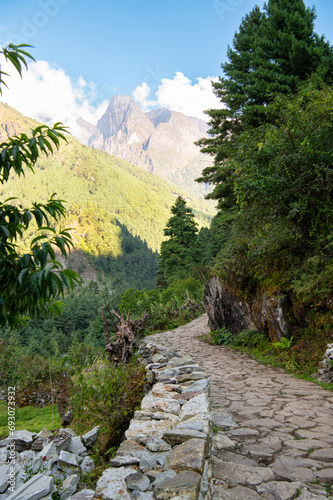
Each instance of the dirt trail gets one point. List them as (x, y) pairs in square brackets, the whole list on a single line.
[(277, 439)]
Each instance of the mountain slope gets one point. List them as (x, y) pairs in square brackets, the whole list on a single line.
[(101, 192), (161, 141)]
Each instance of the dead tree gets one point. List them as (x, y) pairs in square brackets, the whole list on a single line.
[(192, 306), (138, 326), (121, 349)]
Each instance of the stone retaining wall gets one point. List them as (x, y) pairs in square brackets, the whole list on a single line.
[(167, 450)]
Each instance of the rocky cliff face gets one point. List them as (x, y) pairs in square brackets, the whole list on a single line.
[(273, 315), (161, 141)]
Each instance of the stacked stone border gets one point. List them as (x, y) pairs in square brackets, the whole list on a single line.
[(167, 452)]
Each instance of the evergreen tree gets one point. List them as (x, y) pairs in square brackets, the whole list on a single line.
[(178, 253), (273, 52)]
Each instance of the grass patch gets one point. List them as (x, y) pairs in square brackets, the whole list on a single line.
[(30, 418)]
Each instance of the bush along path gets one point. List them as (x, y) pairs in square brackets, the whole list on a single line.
[(273, 433)]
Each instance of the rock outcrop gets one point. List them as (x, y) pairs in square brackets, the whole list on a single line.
[(266, 314)]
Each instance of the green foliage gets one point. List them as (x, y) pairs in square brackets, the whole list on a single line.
[(166, 308), (134, 266), (283, 344), (250, 338), (259, 68), (17, 57), (180, 251), (101, 191), (222, 337), (30, 282), (107, 395), (24, 371), (284, 184), (30, 418), (247, 338)]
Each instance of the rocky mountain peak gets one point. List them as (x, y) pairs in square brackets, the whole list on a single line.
[(161, 141)]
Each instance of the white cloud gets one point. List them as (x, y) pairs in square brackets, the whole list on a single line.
[(141, 93), (180, 94), (46, 93)]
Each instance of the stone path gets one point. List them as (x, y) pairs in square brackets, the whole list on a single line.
[(277, 439)]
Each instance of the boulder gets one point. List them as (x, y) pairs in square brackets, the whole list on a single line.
[(157, 444), (225, 309), (90, 438), (37, 487), (273, 315), (85, 494), (87, 465), (4, 478), (69, 486), (187, 456), (23, 440), (112, 484), (76, 446), (68, 463), (44, 434), (152, 460), (49, 452), (167, 474), (137, 481), (61, 439), (178, 436)]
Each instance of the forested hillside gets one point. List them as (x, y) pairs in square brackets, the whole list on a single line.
[(117, 210), (272, 175)]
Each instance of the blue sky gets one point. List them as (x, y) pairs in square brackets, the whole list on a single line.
[(106, 47)]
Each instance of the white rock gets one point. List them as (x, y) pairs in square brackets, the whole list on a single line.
[(66, 430), (69, 486), (23, 440), (90, 438), (112, 484), (87, 465), (141, 430), (3, 456), (67, 462), (76, 446), (37, 487), (4, 478), (199, 385), (44, 433), (152, 404), (85, 494), (222, 442), (50, 452), (198, 404)]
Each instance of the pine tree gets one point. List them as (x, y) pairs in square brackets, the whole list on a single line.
[(273, 52), (178, 253)]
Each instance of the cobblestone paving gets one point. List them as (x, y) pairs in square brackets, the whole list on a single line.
[(275, 438)]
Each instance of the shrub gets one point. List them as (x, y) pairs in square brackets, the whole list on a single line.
[(250, 338), (222, 337), (107, 395)]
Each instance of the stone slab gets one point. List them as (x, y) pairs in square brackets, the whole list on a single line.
[(185, 485), (187, 456), (112, 484), (235, 473)]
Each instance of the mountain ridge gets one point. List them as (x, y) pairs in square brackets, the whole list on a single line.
[(101, 191), (160, 141)]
